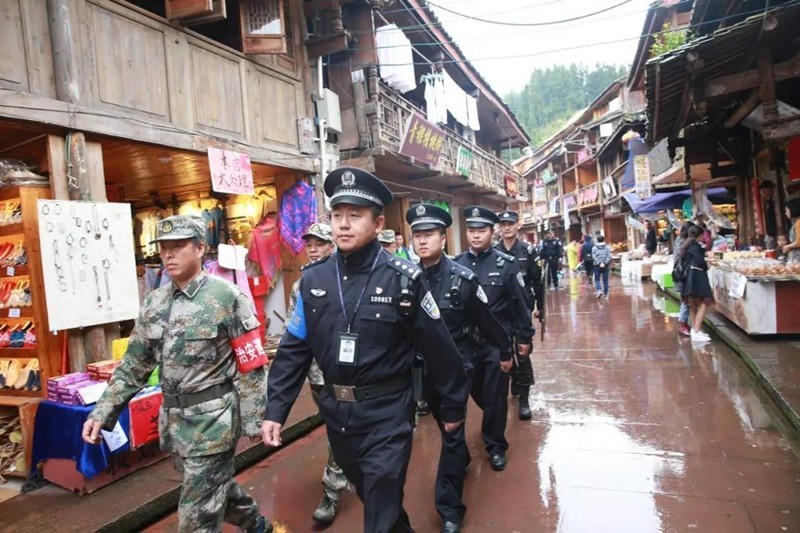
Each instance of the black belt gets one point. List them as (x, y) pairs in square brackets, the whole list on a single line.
[(194, 398), (352, 393)]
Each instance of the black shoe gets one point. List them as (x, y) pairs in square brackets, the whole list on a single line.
[(498, 461), (325, 511), (423, 409), (450, 527), (524, 408), (262, 525)]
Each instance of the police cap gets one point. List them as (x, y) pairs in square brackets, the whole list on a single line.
[(479, 217), (508, 216), (425, 217), (354, 186)]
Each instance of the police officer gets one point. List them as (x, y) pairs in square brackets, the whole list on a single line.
[(319, 243), (528, 263), (465, 310), (362, 314), (553, 253), (189, 329), (505, 289)]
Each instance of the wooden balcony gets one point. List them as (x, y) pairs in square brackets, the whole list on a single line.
[(488, 172)]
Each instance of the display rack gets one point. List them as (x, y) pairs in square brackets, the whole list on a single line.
[(48, 348)]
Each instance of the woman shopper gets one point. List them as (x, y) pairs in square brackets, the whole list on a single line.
[(586, 253), (601, 256), (572, 256), (683, 318), (696, 289), (792, 250)]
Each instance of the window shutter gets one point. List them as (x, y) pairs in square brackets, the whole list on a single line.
[(179, 9), (263, 27), (219, 12)]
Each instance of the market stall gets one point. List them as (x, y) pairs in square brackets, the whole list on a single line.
[(757, 294)]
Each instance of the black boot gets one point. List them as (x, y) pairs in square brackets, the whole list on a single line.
[(325, 511), (524, 407)]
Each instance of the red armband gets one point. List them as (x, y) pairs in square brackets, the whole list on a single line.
[(249, 351)]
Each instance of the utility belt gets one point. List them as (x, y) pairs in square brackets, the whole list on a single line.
[(187, 400), (353, 394)]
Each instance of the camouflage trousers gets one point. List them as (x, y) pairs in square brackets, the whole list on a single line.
[(333, 478), (210, 495)]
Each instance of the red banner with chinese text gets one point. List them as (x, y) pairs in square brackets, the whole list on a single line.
[(758, 213)]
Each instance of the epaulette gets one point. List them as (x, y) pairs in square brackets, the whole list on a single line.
[(405, 267), (505, 256), (459, 256), (315, 263), (459, 270)]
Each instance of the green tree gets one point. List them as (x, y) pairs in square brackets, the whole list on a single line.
[(554, 94)]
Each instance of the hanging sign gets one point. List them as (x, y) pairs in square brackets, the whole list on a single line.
[(547, 175), (641, 169), (570, 202), (511, 186), (758, 213), (464, 162), (609, 188), (231, 172), (422, 141)]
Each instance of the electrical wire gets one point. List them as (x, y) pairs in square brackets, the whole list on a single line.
[(531, 24)]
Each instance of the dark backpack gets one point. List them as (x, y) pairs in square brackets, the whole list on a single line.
[(680, 271)]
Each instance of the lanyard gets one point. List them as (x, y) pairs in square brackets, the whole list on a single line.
[(360, 296)]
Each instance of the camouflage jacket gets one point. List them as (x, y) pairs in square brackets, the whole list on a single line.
[(314, 373), (188, 333)]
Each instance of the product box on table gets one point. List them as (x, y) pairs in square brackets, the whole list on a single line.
[(53, 384)]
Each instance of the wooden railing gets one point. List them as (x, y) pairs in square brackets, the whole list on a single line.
[(488, 171)]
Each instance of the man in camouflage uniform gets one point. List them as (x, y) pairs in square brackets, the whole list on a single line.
[(319, 244), (187, 328)]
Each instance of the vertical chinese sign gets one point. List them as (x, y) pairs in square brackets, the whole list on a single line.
[(511, 186), (231, 172), (464, 162), (758, 213), (422, 141), (641, 170)]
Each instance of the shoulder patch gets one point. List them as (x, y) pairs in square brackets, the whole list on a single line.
[(429, 306), (315, 263), (407, 268)]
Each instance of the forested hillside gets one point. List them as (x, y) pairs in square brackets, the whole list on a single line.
[(554, 94)]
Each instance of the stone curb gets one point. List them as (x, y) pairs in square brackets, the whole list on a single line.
[(791, 415), (166, 503)]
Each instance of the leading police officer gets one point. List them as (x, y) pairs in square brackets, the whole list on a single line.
[(528, 263), (465, 309), (505, 288), (361, 314)]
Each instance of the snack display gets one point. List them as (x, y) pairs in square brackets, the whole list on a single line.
[(736, 256), (767, 269)]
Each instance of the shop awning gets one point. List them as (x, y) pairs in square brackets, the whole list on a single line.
[(674, 200)]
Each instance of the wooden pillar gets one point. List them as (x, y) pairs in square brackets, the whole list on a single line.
[(63, 30)]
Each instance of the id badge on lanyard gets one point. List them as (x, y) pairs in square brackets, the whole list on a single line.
[(347, 353)]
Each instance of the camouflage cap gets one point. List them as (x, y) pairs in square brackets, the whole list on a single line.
[(179, 227), (320, 231), (386, 236)]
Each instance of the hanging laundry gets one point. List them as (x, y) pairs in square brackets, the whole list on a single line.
[(265, 248), (435, 99), (472, 113), (456, 100), (214, 220), (298, 212), (396, 58)]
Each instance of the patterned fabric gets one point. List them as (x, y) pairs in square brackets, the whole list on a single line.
[(188, 333), (298, 212), (265, 248)]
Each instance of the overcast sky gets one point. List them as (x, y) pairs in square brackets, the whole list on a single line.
[(488, 46)]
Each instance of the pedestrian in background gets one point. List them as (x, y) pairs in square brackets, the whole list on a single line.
[(388, 240), (792, 250), (586, 252), (650, 241), (683, 316), (572, 256), (553, 253), (696, 290), (319, 244), (189, 328), (601, 256)]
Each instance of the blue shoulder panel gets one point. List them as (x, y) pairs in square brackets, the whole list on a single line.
[(297, 322)]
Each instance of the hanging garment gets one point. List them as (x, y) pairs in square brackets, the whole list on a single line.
[(472, 113), (435, 100), (237, 277), (396, 58), (150, 233), (456, 100), (265, 248), (298, 212)]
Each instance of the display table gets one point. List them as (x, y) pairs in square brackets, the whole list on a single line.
[(766, 307), (75, 465), (661, 274), (636, 269)]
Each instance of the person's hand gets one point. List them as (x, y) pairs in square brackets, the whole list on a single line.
[(91, 431), (505, 366), (524, 350), (536, 313), (449, 427), (271, 433), (787, 248)]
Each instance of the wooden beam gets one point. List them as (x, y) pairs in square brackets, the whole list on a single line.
[(455, 187), (728, 171), (424, 175), (781, 129), (326, 45), (749, 79), (745, 109), (314, 6)]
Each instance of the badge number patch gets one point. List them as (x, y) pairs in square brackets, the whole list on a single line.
[(481, 295), (430, 307)]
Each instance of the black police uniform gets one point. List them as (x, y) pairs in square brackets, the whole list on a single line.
[(367, 402), (465, 309), (505, 289), (528, 263), (552, 251)]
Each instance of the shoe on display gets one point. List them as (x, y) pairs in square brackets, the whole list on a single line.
[(325, 511), (699, 336)]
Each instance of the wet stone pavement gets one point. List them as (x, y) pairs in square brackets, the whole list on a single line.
[(633, 430)]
